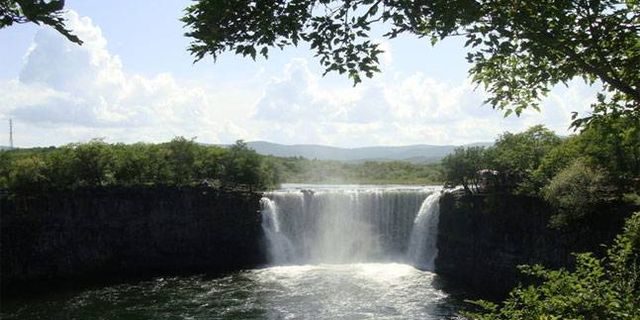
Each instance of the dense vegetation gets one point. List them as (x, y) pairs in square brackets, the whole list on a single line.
[(598, 165), (96, 163), (300, 170), (183, 162)]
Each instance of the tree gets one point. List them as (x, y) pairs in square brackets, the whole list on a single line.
[(244, 166), (27, 174), (517, 155), (462, 167), (576, 191), (519, 49), (37, 11), (182, 157), (93, 163)]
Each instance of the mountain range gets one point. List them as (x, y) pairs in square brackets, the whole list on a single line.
[(418, 153)]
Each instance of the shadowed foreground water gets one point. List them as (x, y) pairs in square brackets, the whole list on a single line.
[(348, 291)]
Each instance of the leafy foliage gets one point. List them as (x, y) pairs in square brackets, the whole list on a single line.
[(96, 163), (516, 156), (607, 288), (37, 11), (576, 191), (510, 162), (325, 171), (462, 167), (519, 49), (183, 162)]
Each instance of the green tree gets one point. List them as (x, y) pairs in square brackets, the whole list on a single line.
[(37, 11), (61, 168), (209, 164), (132, 164), (181, 157), (243, 166), (517, 155), (5, 169), (558, 158), (576, 191), (613, 141), (93, 163), (28, 174), (462, 166), (519, 49)]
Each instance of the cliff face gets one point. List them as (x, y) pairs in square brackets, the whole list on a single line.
[(482, 239), (128, 232)]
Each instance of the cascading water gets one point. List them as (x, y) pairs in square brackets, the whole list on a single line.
[(348, 225), (422, 245), (279, 247)]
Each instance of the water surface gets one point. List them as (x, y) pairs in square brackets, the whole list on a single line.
[(347, 291)]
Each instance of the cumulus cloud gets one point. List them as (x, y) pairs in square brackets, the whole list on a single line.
[(302, 107), (67, 93), (68, 88)]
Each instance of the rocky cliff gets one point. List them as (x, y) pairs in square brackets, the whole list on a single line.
[(139, 231), (482, 239)]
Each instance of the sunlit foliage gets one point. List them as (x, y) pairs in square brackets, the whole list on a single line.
[(518, 49)]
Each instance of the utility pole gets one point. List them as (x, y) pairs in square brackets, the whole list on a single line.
[(11, 133)]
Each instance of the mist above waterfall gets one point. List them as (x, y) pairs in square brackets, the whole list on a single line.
[(349, 224)]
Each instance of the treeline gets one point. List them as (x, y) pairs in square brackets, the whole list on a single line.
[(183, 162), (179, 162), (301, 170), (574, 174)]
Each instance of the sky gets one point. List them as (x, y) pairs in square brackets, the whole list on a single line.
[(133, 80)]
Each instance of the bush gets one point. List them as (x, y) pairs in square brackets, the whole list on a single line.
[(28, 174), (575, 192)]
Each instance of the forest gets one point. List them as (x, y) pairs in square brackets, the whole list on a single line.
[(183, 162)]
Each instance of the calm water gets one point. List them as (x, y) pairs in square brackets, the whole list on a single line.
[(348, 291)]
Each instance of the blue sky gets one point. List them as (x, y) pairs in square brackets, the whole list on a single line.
[(134, 80)]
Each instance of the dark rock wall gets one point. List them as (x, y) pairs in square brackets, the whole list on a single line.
[(482, 239), (128, 232)]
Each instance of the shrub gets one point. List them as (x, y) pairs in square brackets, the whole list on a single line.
[(27, 174), (575, 191)]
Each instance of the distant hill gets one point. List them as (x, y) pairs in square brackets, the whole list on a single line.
[(413, 153)]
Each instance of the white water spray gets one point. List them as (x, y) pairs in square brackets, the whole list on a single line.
[(279, 246), (423, 248), (350, 225)]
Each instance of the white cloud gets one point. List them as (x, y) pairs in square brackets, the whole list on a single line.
[(301, 107), (68, 93)]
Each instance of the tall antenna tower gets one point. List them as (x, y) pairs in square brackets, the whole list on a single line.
[(11, 133)]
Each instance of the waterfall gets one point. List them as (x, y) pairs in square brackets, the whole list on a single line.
[(345, 224), (422, 246), (279, 247)]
